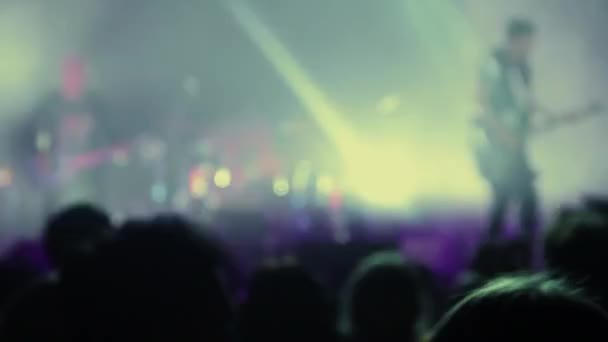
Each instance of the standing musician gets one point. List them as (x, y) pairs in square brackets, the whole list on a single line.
[(63, 127), (507, 102)]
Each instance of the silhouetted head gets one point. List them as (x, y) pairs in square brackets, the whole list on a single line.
[(285, 303), (577, 247), (382, 300), (520, 38), (531, 308), (157, 280), (597, 204), (75, 232)]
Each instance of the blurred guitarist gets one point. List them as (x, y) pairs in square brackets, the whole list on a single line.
[(507, 101), (63, 127)]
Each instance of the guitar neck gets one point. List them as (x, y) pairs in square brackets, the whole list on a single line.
[(566, 119)]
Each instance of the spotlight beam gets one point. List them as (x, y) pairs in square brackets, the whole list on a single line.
[(372, 172), (329, 119)]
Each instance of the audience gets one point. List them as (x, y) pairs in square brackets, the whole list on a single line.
[(285, 303), (577, 247), (37, 312), (74, 232), (157, 280), (382, 301), (524, 308), (162, 279)]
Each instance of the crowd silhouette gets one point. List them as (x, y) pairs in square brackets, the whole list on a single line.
[(166, 278)]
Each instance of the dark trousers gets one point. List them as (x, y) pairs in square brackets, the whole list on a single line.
[(518, 189)]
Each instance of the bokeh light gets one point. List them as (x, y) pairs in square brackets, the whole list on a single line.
[(199, 187), (158, 193), (280, 187), (223, 178)]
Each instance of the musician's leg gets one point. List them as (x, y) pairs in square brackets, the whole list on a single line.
[(528, 199), (529, 212), (498, 211)]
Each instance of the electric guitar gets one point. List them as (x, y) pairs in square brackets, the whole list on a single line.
[(49, 171), (498, 146)]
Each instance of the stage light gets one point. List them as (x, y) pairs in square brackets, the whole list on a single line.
[(322, 110), (6, 177), (280, 187), (370, 174), (223, 178), (199, 187), (390, 178)]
